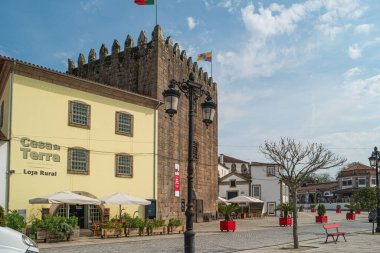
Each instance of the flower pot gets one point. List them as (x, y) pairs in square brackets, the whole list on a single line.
[(227, 225), (106, 232), (175, 229), (313, 210), (285, 222), (338, 210), (357, 211), (321, 219), (156, 230), (41, 235), (134, 232), (350, 216)]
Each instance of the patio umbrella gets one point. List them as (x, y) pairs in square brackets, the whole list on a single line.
[(124, 199), (65, 197), (222, 200), (245, 199)]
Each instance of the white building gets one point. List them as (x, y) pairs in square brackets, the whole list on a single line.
[(234, 178), (265, 185)]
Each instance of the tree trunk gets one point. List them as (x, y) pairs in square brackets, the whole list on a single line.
[(293, 192)]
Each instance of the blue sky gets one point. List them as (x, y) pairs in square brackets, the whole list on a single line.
[(302, 69)]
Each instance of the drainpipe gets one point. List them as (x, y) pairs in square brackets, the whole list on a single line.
[(154, 148), (8, 170)]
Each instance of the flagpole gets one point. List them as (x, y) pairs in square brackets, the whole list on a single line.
[(156, 10), (211, 62)]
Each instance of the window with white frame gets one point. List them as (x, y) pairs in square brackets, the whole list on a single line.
[(124, 123), (79, 114), (233, 183), (373, 181), (256, 191), (346, 182), (271, 171), (124, 165), (78, 161), (362, 181)]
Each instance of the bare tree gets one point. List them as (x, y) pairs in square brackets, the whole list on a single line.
[(297, 162)]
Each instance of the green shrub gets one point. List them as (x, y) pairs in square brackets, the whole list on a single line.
[(312, 206), (175, 222), (226, 210), (14, 220), (135, 222), (338, 207), (321, 210), (285, 208)]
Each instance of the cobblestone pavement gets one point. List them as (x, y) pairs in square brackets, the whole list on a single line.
[(253, 235)]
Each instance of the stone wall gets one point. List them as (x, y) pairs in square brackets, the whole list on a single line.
[(147, 69)]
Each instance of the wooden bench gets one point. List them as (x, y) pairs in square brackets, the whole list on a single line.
[(333, 234)]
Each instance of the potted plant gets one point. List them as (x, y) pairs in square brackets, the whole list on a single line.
[(312, 208), (111, 228), (155, 226), (73, 222), (15, 221), (338, 209), (357, 208), (228, 224), (321, 218), (301, 208), (134, 226), (174, 225), (285, 219), (350, 215)]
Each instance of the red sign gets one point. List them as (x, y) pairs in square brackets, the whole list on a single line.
[(176, 180)]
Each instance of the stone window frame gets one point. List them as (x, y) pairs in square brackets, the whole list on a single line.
[(271, 171), (232, 183), (117, 120), (253, 191), (88, 115), (70, 169), (125, 175)]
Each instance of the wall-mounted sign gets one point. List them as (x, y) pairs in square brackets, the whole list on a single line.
[(176, 180), (40, 173), (31, 149)]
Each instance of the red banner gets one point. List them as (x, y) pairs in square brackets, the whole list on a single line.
[(176, 180)]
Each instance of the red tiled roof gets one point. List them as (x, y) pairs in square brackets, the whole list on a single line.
[(320, 187), (357, 169)]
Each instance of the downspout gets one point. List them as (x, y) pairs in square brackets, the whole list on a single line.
[(155, 148), (8, 170)]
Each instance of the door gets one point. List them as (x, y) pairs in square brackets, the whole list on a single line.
[(199, 210), (232, 194), (271, 208)]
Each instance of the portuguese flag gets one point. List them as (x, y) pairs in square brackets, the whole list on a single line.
[(144, 2)]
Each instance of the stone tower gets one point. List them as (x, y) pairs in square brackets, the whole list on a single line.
[(147, 69)]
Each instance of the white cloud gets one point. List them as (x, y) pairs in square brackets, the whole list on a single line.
[(364, 28), (192, 23), (352, 73), (90, 5), (364, 88), (354, 52), (230, 5)]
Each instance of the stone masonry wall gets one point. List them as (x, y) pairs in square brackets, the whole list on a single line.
[(147, 69)]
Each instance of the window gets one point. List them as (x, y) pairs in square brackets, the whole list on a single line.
[(362, 182), (233, 183), (1, 114), (373, 180), (79, 114), (271, 171), (124, 165), (78, 161), (124, 123), (346, 182), (256, 191)]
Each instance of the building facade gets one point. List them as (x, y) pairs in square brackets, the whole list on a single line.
[(267, 186), (147, 69), (60, 132)]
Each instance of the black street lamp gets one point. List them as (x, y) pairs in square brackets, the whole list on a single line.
[(374, 162), (193, 91)]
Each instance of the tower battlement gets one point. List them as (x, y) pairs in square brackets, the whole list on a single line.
[(136, 67)]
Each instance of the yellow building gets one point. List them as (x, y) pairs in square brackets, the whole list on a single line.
[(59, 132)]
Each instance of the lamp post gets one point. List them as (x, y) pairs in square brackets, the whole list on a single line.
[(374, 162), (193, 91)]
